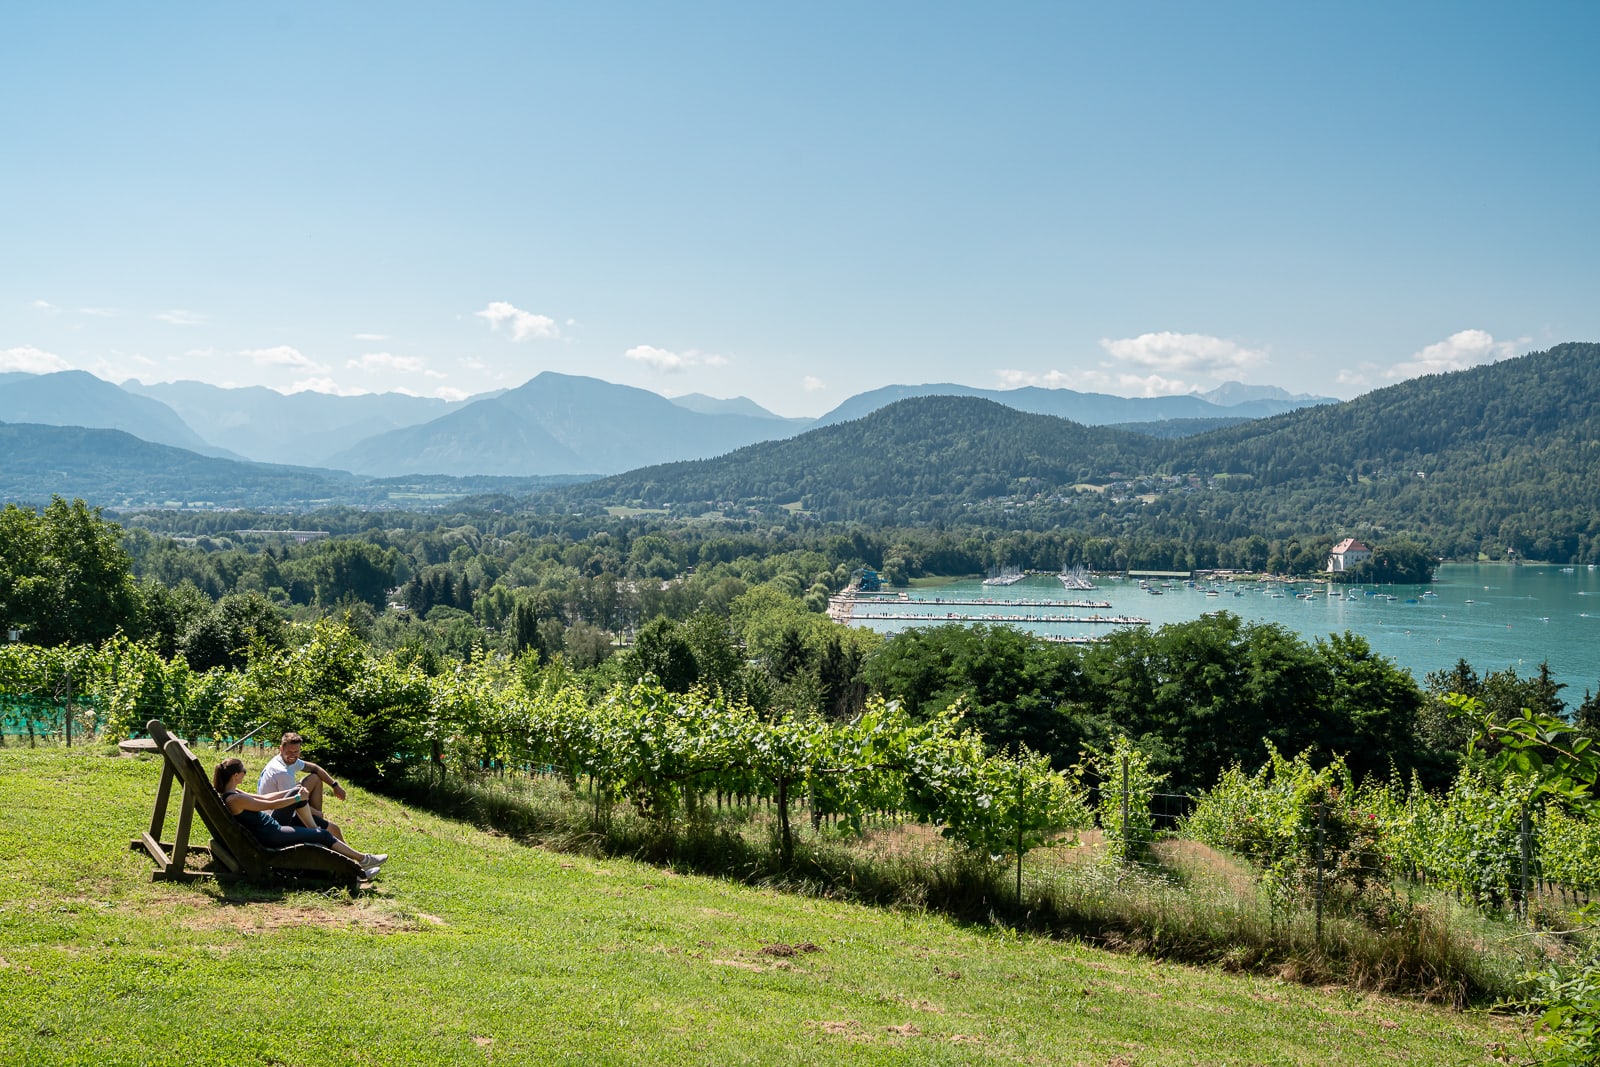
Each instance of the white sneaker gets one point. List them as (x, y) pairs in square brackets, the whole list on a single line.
[(369, 873), (374, 859)]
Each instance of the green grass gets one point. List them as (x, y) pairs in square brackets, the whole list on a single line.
[(1182, 902), (475, 949)]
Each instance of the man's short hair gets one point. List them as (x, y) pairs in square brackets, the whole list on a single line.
[(289, 738)]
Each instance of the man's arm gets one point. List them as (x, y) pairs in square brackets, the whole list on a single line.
[(338, 790)]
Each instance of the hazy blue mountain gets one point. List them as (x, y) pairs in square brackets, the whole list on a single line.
[(112, 469), (739, 405), (486, 437), (557, 424), (1090, 409), (1231, 394), (301, 428), (78, 398)]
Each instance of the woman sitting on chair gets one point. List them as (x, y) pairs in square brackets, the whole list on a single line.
[(249, 810)]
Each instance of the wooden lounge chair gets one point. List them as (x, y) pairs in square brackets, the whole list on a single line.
[(235, 853)]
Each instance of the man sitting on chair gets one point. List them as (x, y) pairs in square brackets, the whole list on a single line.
[(280, 774)]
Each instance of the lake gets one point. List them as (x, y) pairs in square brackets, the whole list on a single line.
[(1492, 615)]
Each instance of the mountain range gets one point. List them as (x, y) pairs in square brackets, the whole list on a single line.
[(554, 424), (298, 428), (1503, 455), (1232, 400), (1494, 457), (78, 398)]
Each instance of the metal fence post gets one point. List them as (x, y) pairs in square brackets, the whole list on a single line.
[(1019, 833), (1525, 825), (1322, 829), (67, 729), (1127, 847)]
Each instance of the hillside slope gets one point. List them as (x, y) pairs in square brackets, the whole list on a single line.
[(1503, 455), (927, 454), (110, 468), (474, 949)]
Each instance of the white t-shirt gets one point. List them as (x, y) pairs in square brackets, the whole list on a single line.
[(278, 776)]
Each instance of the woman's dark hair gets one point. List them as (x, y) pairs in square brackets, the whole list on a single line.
[(225, 770)]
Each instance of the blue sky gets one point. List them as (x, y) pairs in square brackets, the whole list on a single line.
[(799, 202)]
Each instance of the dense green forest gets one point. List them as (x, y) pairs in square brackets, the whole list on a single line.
[(736, 610)]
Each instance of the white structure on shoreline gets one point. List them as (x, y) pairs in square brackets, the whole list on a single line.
[(1346, 554)]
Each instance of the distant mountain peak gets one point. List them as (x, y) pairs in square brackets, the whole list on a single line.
[(711, 405), (1229, 394)]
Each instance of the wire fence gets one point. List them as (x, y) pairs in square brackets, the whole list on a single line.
[(1330, 859), (53, 713)]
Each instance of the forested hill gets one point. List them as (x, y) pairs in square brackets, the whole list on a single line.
[(113, 469), (1508, 452), (1533, 402), (924, 457), (1504, 455)]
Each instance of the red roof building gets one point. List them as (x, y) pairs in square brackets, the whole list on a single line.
[(1346, 554)]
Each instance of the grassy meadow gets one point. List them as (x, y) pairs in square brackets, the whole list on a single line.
[(475, 949)]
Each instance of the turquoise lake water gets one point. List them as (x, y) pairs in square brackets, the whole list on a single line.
[(1492, 615)]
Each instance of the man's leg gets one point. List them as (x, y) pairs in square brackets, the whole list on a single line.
[(311, 814)]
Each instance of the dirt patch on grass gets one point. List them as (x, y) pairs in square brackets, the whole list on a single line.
[(269, 916), (785, 951), (915, 1003), (848, 1029), (743, 965)]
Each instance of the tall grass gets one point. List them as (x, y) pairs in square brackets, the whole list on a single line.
[(1183, 902)]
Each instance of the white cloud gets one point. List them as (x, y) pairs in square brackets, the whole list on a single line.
[(199, 353), (1016, 379), (473, 364), (100, 313), (32, 360), (671, 362), (1463, 349), (285, 356), (1183, 353), (525, 325), (659, 358), (1123, 384), (1119, 383), (389, 361), (370, 337), (180, 317), (812, 384), (324, 385), (45, 306), (445, 392)]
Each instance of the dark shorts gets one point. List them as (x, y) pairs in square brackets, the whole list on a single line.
[(297, 835), (290, 817)]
